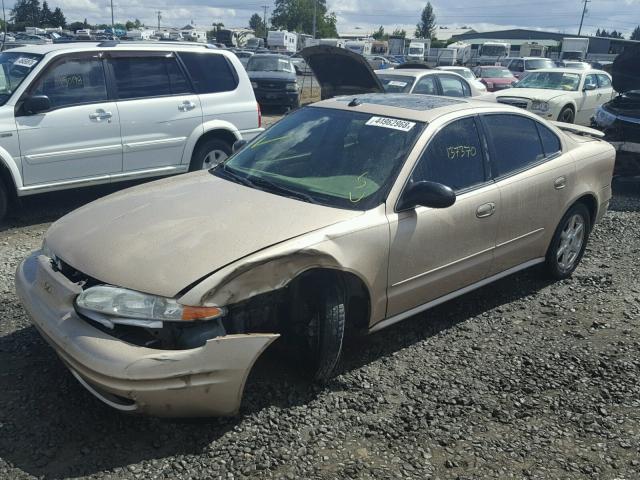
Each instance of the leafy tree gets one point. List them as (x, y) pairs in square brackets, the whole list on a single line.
[(45, 15), (379, 34), (26, 12), (57, 18), (257, 25), (398, 32), (635, 35), (427, 24), (75, 26), (597, 32), (297, 16)]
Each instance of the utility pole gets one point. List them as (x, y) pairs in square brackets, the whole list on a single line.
[(264, 20), (584, 10), (4, 19), (113, 24), (315, 16), (159, 17)]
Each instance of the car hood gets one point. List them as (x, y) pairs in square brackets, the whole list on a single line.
[(163, 236), (626, 70), (282, 76), (340, 71), (532, 93)]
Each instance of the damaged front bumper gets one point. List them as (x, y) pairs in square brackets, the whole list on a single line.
[(623, 133), (203, 381)]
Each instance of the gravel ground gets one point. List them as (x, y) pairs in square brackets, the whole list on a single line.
[(523, 379)]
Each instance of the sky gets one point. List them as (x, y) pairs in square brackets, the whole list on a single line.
[(367, 15)]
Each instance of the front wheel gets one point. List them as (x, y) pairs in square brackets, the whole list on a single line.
[(317, 324), (569, 242), (566, 115), (209, 154)]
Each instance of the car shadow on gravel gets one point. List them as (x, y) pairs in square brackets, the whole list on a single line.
[(52, 427), (626, 191)]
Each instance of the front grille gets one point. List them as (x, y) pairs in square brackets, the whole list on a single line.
[(73, 275), (271, 86), (514, 102)]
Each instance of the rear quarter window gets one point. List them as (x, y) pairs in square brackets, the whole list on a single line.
[(210, 73)]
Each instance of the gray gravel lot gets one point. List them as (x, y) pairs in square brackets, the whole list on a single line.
[(523, 379)]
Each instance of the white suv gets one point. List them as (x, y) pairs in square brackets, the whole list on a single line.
[(80, 114)]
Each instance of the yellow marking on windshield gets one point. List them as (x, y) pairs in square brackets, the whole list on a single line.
[(362, 183), (266, 142)]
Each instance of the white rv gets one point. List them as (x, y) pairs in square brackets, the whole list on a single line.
[(418, 49), (532, 49), (362, 47), (333, 42), (281, 40), (143, 34), (491, 53)]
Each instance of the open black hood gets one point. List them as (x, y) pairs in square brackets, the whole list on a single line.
[(626, 70), (340, 71)]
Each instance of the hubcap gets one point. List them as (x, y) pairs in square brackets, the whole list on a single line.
[(567, 116), (213, 158), (571, 240)]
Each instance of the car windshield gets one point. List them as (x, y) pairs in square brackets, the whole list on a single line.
[(269, 64), (493, 50), (495, 73), (538, 64), (550, 81), (15, 66), (337, 158), (416, 50), (396, 83)]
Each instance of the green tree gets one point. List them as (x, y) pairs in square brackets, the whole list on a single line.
[(427, 24), (45, 15), (297, 16), (379, 34), (57, 18), (635, 35), (398, 32), (26, 12), (257, 25), (75, 26)]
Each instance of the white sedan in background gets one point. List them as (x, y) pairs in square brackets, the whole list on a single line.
[(468, 74), (429, 82), (563, 94)]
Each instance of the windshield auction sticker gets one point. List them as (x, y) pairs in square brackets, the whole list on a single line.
[(392, 123), (25, 62)]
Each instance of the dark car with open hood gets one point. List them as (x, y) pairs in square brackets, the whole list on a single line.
[(620, 118)]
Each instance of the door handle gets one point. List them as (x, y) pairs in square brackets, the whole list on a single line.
[(186, 106), (100, 115), (560, 183), (486, 210)]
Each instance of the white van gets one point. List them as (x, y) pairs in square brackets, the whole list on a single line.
[(74, 115)]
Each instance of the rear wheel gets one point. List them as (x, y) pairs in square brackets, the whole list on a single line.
[(317, 324), (569, 242), (566, 115), (209, 153)]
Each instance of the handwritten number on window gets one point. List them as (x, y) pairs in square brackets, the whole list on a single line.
[(461, 151)]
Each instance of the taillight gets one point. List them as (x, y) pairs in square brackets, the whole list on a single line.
[(259, 116)]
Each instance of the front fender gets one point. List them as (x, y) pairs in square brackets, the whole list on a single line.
[(200, 130), (10, 163)]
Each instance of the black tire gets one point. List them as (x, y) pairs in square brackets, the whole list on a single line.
[(318, 317), (567, 115), (559, 266), (4, 200), (211, 145)]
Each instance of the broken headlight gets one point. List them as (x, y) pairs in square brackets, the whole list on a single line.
[(109, 305)]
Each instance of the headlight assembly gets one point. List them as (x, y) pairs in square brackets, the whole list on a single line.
[(540, 106), (108, 305), (292, 87)]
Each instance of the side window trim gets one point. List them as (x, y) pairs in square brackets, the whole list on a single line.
[(53, 64), (545, 159), (487, 178)]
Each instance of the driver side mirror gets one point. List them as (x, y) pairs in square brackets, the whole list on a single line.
[(37, 104), (426, 194), (589, 86), (238, 145)]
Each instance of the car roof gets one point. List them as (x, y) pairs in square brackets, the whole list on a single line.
[(271, 55), (73, 47), (420, 108), (408, 72), (578, 71)]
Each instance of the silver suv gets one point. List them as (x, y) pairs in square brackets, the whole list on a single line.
[(73, 115)]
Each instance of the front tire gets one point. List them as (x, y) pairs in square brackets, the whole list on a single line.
[(317, 324), (567, 115), (4, 200), (569, 242), (209, 153)]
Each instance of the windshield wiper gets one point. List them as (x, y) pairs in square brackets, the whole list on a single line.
[(275, 188), (234, 176)]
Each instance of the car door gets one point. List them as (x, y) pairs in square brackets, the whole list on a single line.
[(452, 85), (534, 177), (158, 108), (605, 88), (589, 100), (434, 252), (79, 137)]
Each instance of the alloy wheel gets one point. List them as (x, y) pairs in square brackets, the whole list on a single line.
[(571, 240)]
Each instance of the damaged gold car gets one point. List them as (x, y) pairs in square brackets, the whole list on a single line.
[(346, 216)]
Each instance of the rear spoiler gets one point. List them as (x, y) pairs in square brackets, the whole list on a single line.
[(579, 130)]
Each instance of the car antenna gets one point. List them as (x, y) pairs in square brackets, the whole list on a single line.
[(354, 103)]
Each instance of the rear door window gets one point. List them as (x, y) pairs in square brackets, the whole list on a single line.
[(591, 81), (604, 81), (148, 76), (453, 86), (426, 85), (514, 142), (210, 72), (454, 157)]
